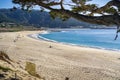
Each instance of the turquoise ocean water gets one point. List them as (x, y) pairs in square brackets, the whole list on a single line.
[(97, 38)]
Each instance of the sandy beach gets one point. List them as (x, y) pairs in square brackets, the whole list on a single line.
[(60, 60)]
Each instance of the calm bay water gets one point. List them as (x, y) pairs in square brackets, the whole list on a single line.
[(99, 38)]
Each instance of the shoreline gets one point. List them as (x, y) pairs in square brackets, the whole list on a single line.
[(39, 37), (60, 61)]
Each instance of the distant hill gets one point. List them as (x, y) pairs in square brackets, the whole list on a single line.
[(38, 19)]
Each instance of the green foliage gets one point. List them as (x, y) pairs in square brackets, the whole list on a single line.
[(78, 6), (84, 8), (111, 10), (80, 1), (61, 16), (39, 19), (5, 68)]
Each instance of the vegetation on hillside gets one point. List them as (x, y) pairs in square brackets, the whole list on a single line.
[(37, 19)]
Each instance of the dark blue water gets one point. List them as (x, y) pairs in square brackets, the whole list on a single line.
[(99, 38)]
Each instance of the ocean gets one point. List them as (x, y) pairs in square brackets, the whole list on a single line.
[(96, 38)]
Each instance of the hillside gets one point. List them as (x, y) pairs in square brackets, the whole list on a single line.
[(38, 19)]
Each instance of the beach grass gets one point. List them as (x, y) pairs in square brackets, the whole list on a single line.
[(5, 68)]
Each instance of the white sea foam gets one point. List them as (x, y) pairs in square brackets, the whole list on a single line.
[(87, 46), (40, 36), (63, 31), (34, 36), (46, 39), (45, 32)]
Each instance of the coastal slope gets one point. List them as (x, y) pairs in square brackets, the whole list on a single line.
[(57, 61)]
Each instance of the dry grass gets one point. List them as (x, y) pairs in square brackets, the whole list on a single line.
[(5, 57)]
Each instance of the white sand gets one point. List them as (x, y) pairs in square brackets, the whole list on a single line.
[(60, 61)]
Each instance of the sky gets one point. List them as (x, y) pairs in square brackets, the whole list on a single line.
[(6, 4), (9, 4)]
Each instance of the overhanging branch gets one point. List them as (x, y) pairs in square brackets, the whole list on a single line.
[(104, 20), (108, 5)]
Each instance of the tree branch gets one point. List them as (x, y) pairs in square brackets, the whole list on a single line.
[(104, 20), (61, 4), (105, 7)]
